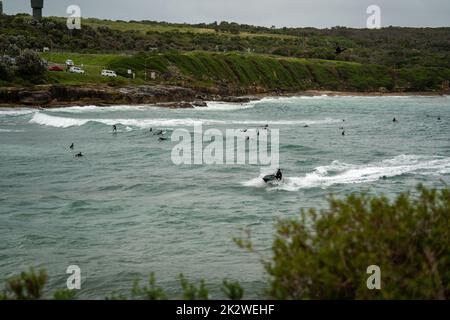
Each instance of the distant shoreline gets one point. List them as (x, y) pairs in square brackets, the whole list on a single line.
[(173, 97)]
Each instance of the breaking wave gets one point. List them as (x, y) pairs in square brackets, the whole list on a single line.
[(223, 106), (16, 112), (65, 122), (10, 131), (342, 173), (94, 109)]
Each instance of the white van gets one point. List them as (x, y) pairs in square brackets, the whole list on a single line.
[(69, 63), (109, 73), (76, 70)]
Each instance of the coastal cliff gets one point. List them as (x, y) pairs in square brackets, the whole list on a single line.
[(62, 95)]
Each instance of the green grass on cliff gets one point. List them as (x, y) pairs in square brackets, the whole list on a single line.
[(235, 70)]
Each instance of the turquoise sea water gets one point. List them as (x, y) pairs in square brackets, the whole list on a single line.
[(125, 210)]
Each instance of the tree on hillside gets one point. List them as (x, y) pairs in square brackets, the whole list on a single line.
[(29, 65)]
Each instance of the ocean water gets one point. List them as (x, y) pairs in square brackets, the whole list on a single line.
[(125, 210)]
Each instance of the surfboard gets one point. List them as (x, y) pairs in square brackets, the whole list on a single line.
[(270, 178)]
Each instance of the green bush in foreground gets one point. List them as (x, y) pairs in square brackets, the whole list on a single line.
[(325, 255)]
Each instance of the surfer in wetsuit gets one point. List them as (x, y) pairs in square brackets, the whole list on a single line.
[(279, 175), (395, 120), (71, 146), (79, 155), (114, 128)]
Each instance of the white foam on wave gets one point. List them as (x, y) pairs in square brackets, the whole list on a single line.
[(342, 173), (66, 122), (224, 106), (94, 109), (16, 112), (10, 131), (292, 99), (298, 99)]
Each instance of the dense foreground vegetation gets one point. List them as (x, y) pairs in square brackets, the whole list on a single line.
[(325, 255)]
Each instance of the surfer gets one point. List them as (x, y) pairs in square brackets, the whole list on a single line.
[(395, 120), (151, 129), (279, 175), (114, 128), (343, 133), (439, 118), (79, 155), (163, 139), (159, 133), (71, 146)]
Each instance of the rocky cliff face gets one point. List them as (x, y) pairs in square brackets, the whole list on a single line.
[(49, 96)]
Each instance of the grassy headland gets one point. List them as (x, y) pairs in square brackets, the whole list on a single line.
[(232, 58), (252, 72)]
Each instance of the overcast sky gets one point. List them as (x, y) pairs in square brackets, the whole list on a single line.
[(290, 13)]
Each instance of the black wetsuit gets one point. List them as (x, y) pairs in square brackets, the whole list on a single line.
[(279, 175)]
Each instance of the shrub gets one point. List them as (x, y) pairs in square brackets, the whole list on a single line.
[(152, 292), (28, 286), (30, 66), (6, 73), (193, 292), (325, 254), (232, 290)]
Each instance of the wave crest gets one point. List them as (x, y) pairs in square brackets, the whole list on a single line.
[(66, 122), (343, 173)]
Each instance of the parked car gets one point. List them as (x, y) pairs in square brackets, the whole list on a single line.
[(55, 68), (69, 63), (109, 73), (76, 70)]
